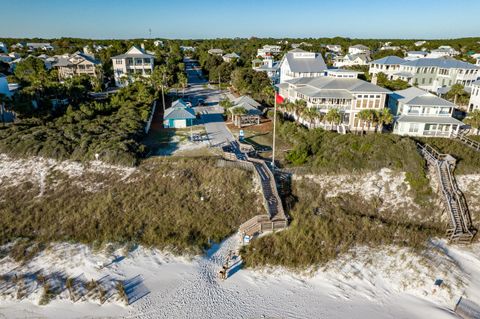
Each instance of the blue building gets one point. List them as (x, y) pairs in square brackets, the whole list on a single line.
[(179, 115)]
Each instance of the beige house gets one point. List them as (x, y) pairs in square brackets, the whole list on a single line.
[(348, 96), (77, 64), (135, 61)]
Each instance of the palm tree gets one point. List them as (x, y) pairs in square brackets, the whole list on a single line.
[(363, 116), (159, 80), (473, 119), (456, 90), (300, 106), (310, 115), (236, 112), (182, 81), (384, 118), (372, 118), (333, 116)]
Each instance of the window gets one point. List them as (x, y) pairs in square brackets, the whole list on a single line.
[(146, 61), (413, 128), (118, 61)]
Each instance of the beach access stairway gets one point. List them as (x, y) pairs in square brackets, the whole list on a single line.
[(465, 140), (275, 218), (461, 230)]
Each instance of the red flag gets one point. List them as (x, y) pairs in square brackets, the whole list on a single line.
[(278, 98)]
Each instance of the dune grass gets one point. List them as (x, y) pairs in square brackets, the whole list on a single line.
[(182, 205), (324, 228)]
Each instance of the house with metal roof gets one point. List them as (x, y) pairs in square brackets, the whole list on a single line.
[(76, 64), (351, 60), (414, 55), (218, 52), (179, 115), (420, 113), (229, 57), (269, 66), (474, 103), (298, 63), (136, 61), (428, 74), (347, 95), (359, 49)]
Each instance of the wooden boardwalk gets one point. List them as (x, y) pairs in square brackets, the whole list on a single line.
[(467, 141), (275, 217), (461, 230)]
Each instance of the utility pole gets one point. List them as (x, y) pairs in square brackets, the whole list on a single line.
[(163, 94)]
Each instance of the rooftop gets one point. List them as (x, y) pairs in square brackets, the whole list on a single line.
[(416, 96), (305, 62), (134, 52)]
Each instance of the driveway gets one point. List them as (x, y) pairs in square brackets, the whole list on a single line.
[(211, 113)]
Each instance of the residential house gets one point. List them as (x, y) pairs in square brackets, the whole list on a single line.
[(77, 64), (389, 66), (33, 46), (158, 43), (414, 55), (443, 51), (334, 48), (298, 63), (179, 115), (359, 49), (268, 50), (428, 74), (420, 113), (474, 103), (134, 62), (349, 96), (251, 108), (297, 45), (3, 47), (218, 52), (187, 48), (476, 56), (269, 66), (230, 57), (420, 43), (351, 60), (390, 47), (342, 73)]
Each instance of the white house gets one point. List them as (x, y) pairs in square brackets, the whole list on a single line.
[(32, 46), (390, 48), (351, 60), (298, 63), (349, 96), (342, 73), (3, 47), (389, 66), (420, 43), (476, 56), (428, 74), (269, 66), (334, 48), (414, 55), (359, 49), (268, 50), (230, 57), (443, 51), (218, 52), (134, 62), (420, 113), (474, 103), (158, 43), (187, 48)]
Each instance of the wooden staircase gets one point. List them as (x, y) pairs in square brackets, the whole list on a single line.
[(275, 219), (461, 230)]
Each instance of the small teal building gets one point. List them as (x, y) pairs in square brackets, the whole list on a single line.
[(179, 115)]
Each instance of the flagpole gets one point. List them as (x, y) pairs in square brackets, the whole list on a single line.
[(274, 125)]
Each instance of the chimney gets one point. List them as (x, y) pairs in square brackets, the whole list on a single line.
[(374, 79), (142, 46)]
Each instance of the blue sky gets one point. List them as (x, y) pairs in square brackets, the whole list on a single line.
[(241, 18)]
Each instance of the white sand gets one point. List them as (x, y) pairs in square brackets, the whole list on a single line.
[(387, 283)]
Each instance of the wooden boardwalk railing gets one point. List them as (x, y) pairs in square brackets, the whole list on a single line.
[(275, 219), (467, 141), (461, 230)]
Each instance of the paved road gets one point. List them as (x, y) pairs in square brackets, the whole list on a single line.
[(217, 131)]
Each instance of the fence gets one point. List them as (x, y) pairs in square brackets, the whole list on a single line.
[(149, 122)]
